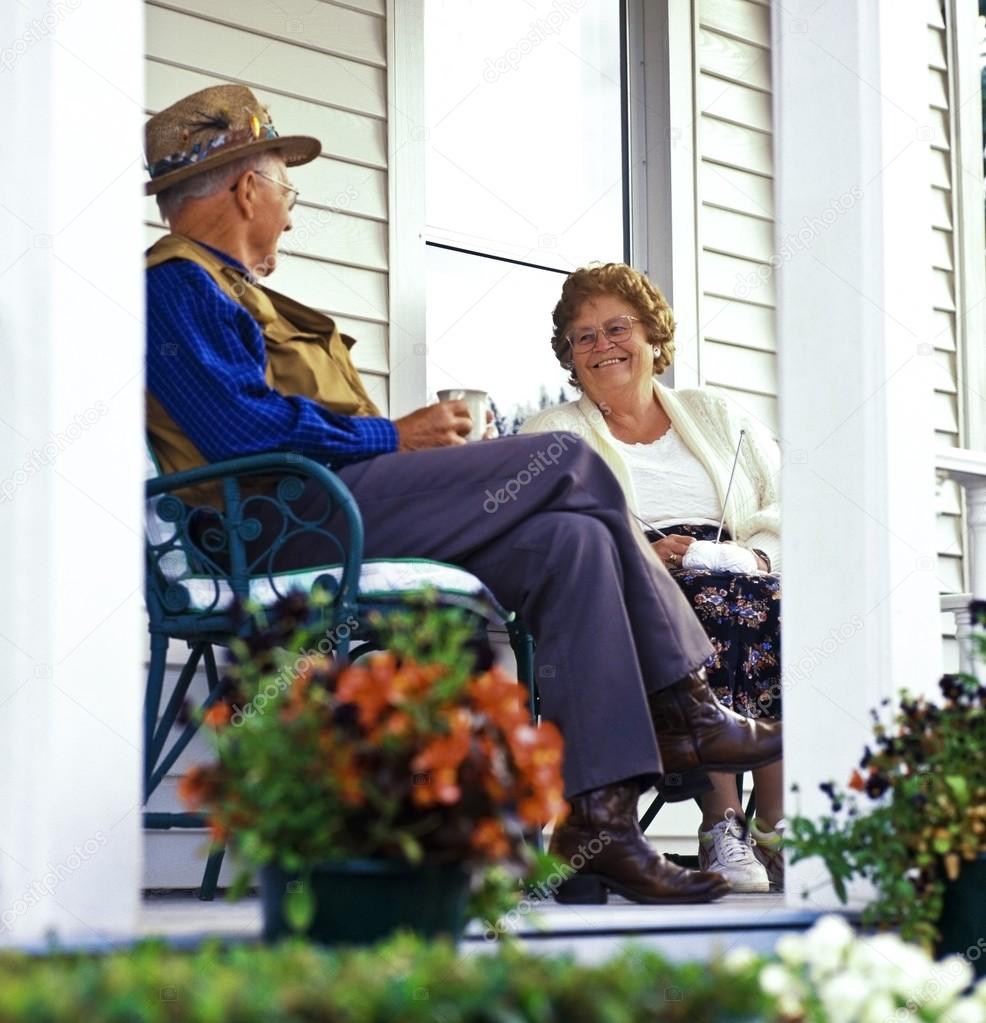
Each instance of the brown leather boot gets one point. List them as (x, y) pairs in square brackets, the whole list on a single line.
[(697, 734), (602, 842)]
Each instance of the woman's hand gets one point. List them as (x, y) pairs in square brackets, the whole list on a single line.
[(762, 564), (670, 549)]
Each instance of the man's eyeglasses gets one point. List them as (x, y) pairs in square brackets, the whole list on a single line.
[(294, 191), (618, 329)]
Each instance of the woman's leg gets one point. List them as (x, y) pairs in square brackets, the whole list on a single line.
[(723, 797), (769, 782)]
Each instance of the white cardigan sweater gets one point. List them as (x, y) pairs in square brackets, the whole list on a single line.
[(710, 427)]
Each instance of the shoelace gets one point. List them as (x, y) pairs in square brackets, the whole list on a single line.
[(727, 837)]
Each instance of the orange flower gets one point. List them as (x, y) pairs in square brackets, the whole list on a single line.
[(501, 699), (197, 786), (395, 725), (447, 751), (543, 806), (217, 715), (857, 782), (536, 749), (436, 787), (218, 833), (369, 691), (313, 666), (489, 838), (349, 782), (414, 680)]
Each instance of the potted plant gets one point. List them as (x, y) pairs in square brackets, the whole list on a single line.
[(921, 837), (372, 796)]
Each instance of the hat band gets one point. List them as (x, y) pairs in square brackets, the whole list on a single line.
[(255, 133)]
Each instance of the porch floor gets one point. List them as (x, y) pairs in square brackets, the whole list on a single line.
[(590, 933)]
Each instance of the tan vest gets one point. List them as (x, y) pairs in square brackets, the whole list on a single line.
[(306, 356)]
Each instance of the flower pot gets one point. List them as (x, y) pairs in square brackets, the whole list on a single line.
[(357, 902), (964, 913)]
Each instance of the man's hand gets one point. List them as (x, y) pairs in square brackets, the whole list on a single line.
[(437, 426)]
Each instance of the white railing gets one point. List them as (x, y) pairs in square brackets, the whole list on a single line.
[(968, 470)]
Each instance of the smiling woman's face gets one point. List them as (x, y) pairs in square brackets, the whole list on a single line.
[(609, 367)]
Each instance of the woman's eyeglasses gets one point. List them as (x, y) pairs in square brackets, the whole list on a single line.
[(618, 329)]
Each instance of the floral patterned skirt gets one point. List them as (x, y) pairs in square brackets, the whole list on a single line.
[(742, 617)]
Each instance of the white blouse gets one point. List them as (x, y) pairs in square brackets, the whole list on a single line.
[(671, 484)]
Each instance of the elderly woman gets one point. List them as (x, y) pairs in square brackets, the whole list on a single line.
[(672, 451)]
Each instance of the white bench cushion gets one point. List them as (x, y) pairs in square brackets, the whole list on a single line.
[(378, 578)]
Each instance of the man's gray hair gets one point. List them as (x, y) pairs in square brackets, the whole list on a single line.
[(171, 200)]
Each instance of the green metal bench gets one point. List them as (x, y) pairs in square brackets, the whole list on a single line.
[(202, 562)]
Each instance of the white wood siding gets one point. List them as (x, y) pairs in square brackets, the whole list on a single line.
[(946, 358), (735, 205), (322, 69)]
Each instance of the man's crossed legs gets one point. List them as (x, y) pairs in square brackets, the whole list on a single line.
[(541, 520)]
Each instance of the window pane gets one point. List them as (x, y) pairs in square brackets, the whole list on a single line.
[(524, 153), (489, 327)]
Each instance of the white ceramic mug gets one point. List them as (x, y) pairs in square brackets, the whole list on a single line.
[(477, 402)]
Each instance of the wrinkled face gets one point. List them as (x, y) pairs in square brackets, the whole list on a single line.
[(273, 208), (609, 364)]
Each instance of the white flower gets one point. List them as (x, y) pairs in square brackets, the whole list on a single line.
[(791, 949), (880, 1008), (892, 965), (778, 981), (950, 977), (825, 945), (979, 991), (736, 960), (966, 1010), (842, 996)]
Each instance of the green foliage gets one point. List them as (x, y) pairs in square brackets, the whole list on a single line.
[(403, 979), (926, 783)]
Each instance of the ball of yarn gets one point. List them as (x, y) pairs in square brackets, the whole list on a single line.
[(704, 555)]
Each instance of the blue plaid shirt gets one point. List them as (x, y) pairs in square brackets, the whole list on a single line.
[(205, 364)]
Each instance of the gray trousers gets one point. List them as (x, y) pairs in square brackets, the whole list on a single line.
[(542, 521)]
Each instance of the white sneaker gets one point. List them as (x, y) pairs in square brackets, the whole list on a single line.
[(725, 851), (768, 849)]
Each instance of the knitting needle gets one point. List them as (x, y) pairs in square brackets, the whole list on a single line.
[(729, 486), (648, 527)]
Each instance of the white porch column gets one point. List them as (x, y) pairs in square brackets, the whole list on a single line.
[(860, 592), (71, 467)]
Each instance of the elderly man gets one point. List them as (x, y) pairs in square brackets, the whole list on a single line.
[(234, 368)]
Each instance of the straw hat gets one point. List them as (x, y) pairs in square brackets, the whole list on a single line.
[(211, 128)]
